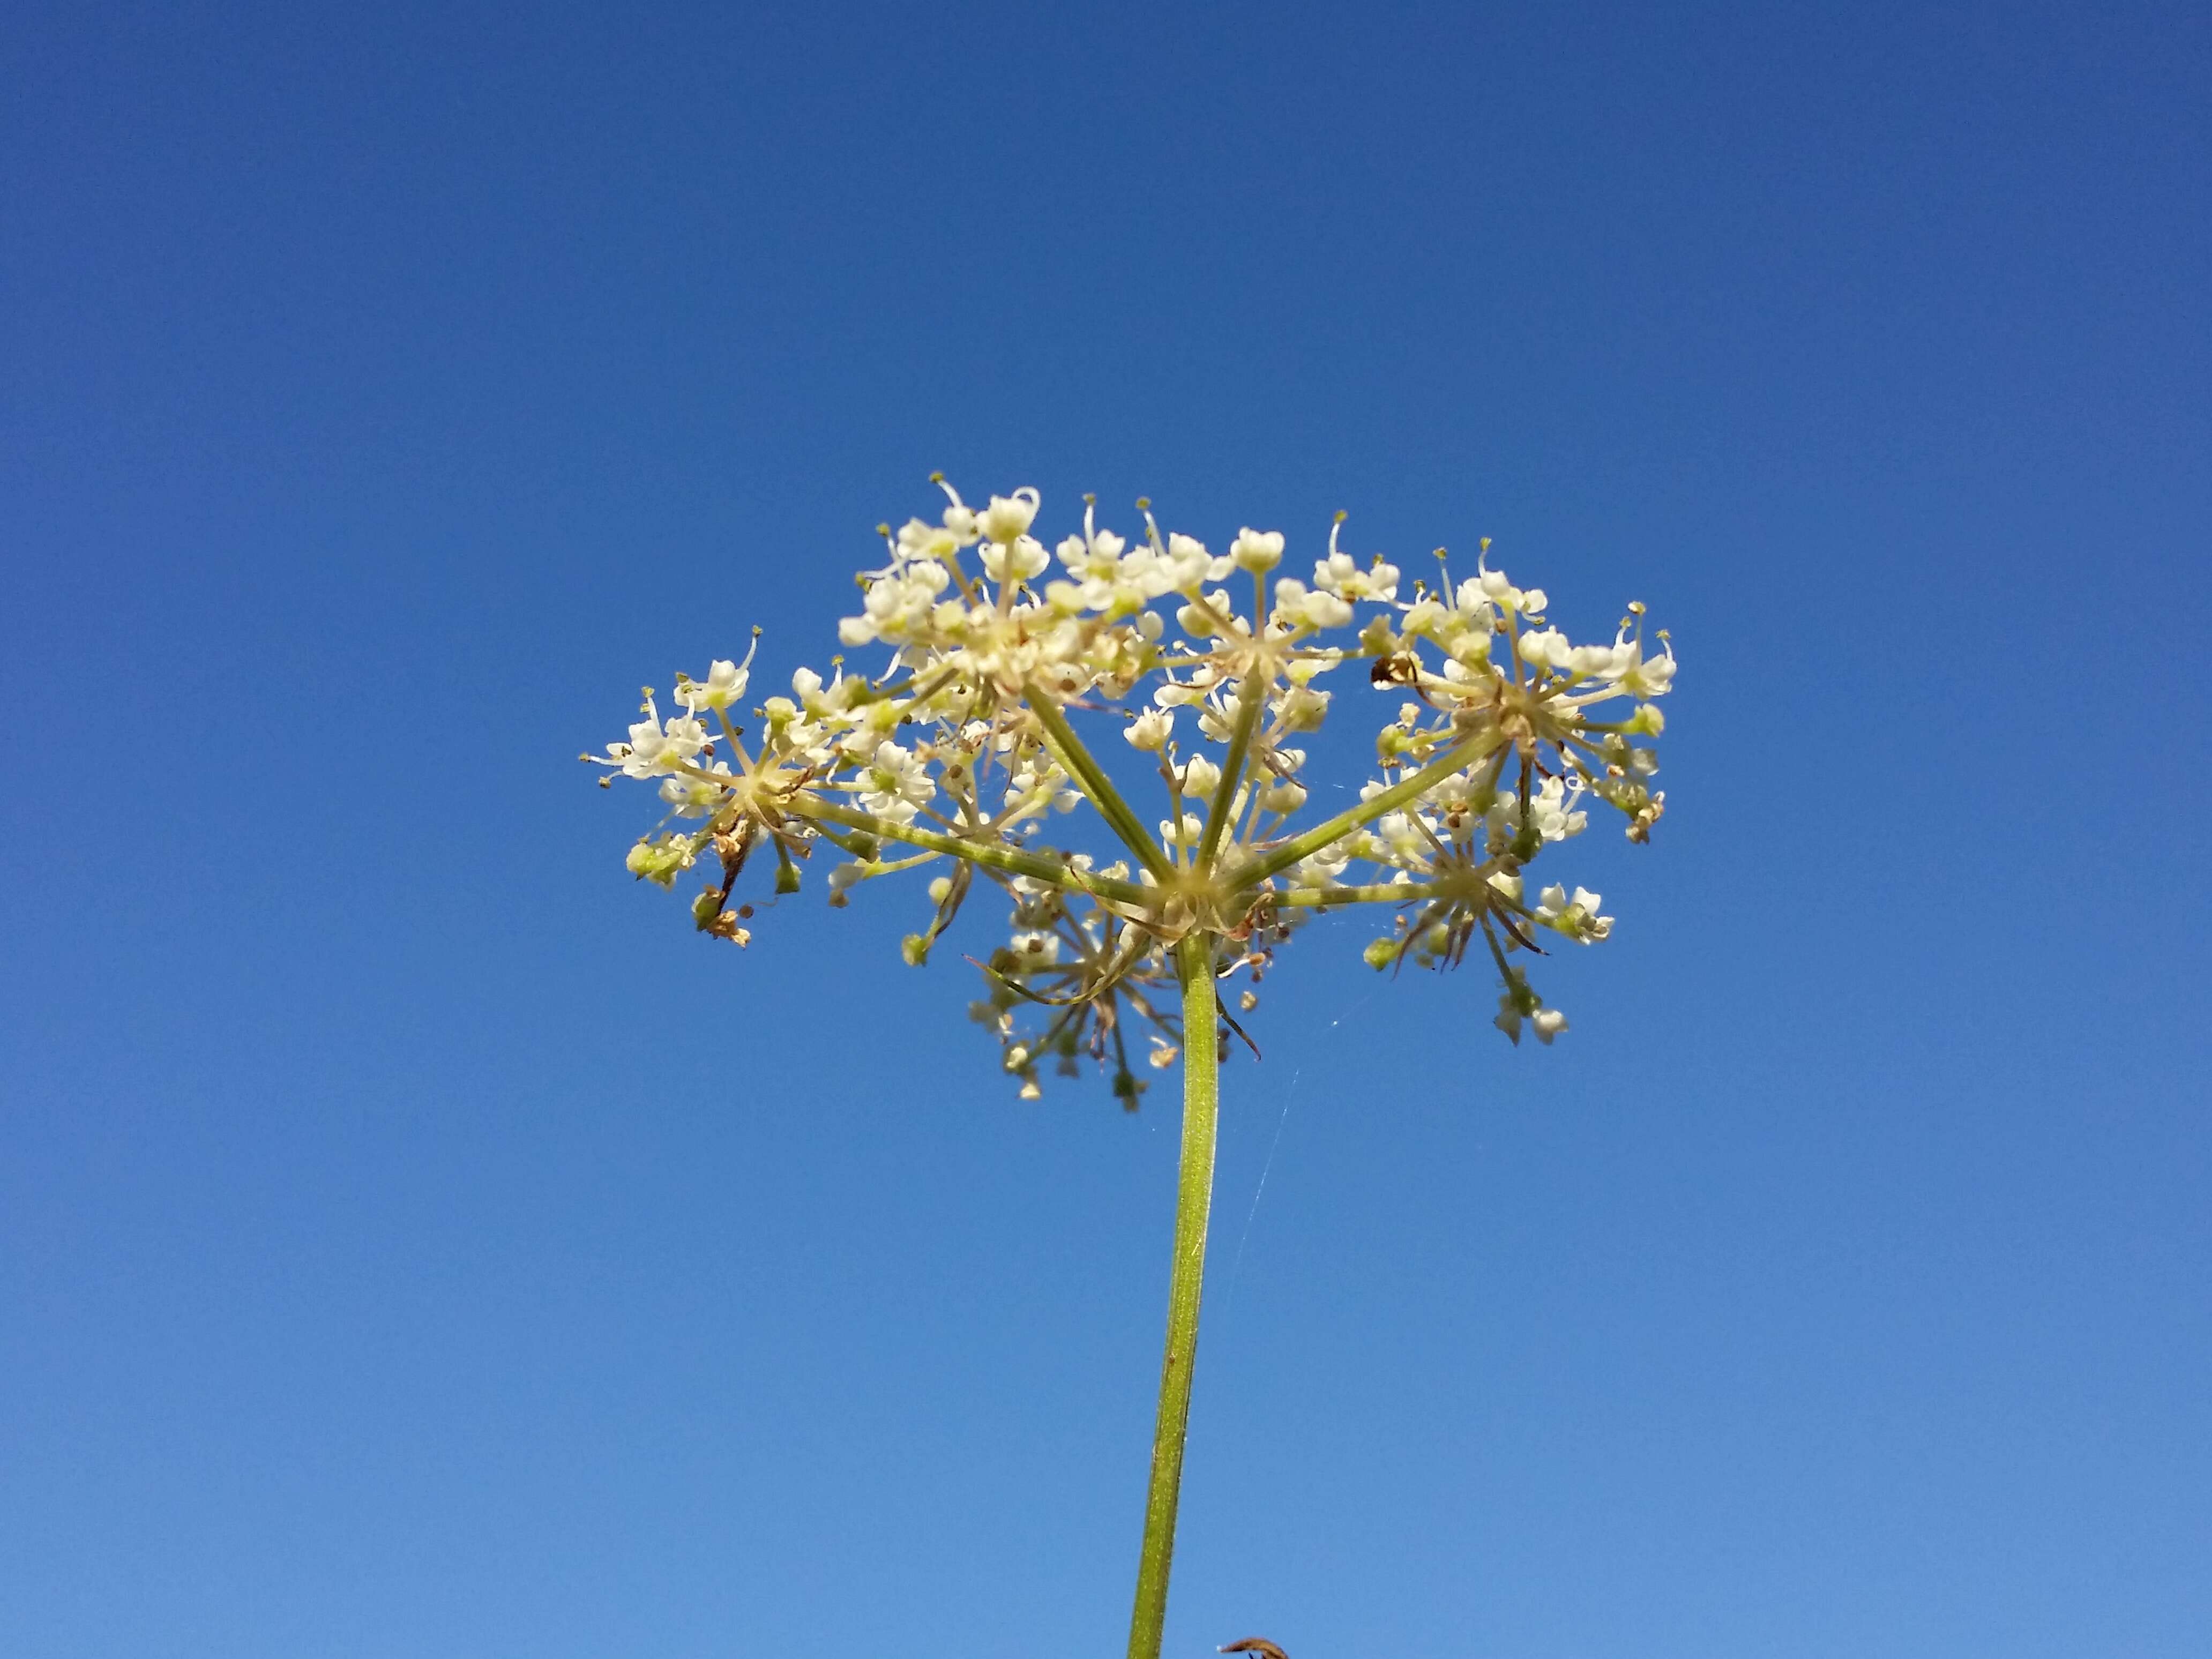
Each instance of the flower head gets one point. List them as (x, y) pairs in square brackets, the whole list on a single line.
[(1499, 732)]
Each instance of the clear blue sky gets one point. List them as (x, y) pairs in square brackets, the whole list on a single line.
[(414, 1241)]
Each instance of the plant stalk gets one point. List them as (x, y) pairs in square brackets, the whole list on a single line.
[(1460, 756), (1201, 1108), (1083, 766), (1043, 866)]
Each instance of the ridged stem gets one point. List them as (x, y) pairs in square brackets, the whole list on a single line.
[(1201, 1110)]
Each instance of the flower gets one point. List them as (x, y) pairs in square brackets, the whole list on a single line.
[(724, 684), (1256, 549), (694, 797), (1008, 516), (1340, 573), (1018, 558), (1300, 611), (1576, 917), (653, 749), (895, 784), (1151, 729)]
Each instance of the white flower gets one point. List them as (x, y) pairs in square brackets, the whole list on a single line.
[(1008, 516), (1549, 1022), (919, 540), (724, 684), (1492, 587), (1024, 554), (1541, 647), (897, 606), (1187, 833), (1096, 553), (653, 752), (1151, 729), (1322, 868), (1187, 563), (1256, 549), (896, 784), (1639, 676), (1550, 812), (1303, 708), (694, 797), (1577, 918), (1338, 573), (1298, 610)]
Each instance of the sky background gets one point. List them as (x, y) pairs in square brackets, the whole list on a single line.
[(414, 1241)]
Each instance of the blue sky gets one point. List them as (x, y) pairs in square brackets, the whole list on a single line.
[(413, 1241)]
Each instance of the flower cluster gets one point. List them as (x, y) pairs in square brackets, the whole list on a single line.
[(958, 751)]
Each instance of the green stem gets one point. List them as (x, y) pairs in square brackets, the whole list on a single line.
[(1044, 867), (1201, 1108), (1460, 756), (1320, 898), (1254, 697), (1083, 767)]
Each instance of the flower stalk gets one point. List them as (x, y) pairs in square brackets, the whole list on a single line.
[(1068, 748), (1201, 1112)]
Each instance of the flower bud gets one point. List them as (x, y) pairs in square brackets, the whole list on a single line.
[(660, 861)]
